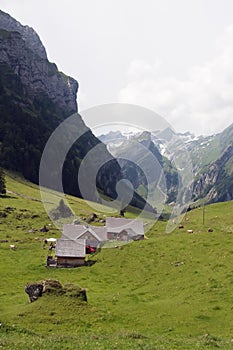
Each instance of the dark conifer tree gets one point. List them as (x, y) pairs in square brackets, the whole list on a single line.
[(2, 182)]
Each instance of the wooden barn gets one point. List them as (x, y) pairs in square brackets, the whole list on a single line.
[(70, 253), (123, 229)]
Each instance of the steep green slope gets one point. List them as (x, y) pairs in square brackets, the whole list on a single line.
[(168, 292), (208, 150), (215, 181)]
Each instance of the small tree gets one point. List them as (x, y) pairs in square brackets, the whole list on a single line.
[(2, 182), (122, 212), (61, 211)]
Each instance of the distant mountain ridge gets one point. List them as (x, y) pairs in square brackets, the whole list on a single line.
[(137, 155), (212, 159)]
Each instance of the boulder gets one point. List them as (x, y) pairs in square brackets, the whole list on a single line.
[(34, 290), (92, 217), (50, 286)]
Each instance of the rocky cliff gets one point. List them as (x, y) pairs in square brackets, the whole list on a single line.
[(215, 182), (22, 50), (28, 34), (34, 99)]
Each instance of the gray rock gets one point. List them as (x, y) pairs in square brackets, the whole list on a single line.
[(34, 290), (22, 50), (28, 34), (50, 286)]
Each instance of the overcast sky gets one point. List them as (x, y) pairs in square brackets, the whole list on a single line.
[(172, 56)]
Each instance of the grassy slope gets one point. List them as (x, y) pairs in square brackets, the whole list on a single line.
[(168, 292), (213, 150)]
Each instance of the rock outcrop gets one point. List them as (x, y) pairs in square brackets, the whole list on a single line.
[(28, 34), (22, 50), (216, 182), (34, 99), (34, 290), (51, 287)]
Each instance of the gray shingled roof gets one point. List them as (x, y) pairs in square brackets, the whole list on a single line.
[(101, 232), (132, 226), (71, 248), (73, 232)]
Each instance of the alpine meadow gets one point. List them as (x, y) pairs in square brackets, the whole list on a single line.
[(121, 239)]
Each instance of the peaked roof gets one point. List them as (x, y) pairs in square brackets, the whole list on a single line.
[(132, 226), (71, 248), (101, 232), (73, 232)]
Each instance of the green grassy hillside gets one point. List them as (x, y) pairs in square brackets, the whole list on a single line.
[(171, 291), (207, 152)]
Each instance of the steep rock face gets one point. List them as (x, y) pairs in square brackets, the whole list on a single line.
[(34, 99), (22, 50), (28, 34), (216, 182)]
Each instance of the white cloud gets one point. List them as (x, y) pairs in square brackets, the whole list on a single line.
[(201, 103)]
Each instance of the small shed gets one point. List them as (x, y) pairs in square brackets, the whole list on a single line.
[(70, 253)]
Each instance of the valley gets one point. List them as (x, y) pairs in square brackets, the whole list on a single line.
[(169, 291)]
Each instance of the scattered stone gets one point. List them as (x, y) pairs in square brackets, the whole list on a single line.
[(3, 214), (178, 263), (31, 231), (35, 216), (92, 217), (44, 229), (210, 229), (8, 208)]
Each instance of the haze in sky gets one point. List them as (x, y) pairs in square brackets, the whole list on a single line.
[(174, 57)]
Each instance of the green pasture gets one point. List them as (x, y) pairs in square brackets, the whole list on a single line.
[(170, 291)]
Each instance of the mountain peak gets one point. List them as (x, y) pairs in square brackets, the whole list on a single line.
[(28, 34)]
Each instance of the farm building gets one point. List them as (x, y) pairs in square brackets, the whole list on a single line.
[(70, 253), (123, 229), (94, 236)]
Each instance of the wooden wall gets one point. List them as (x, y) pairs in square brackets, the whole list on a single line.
[(70, 262)]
